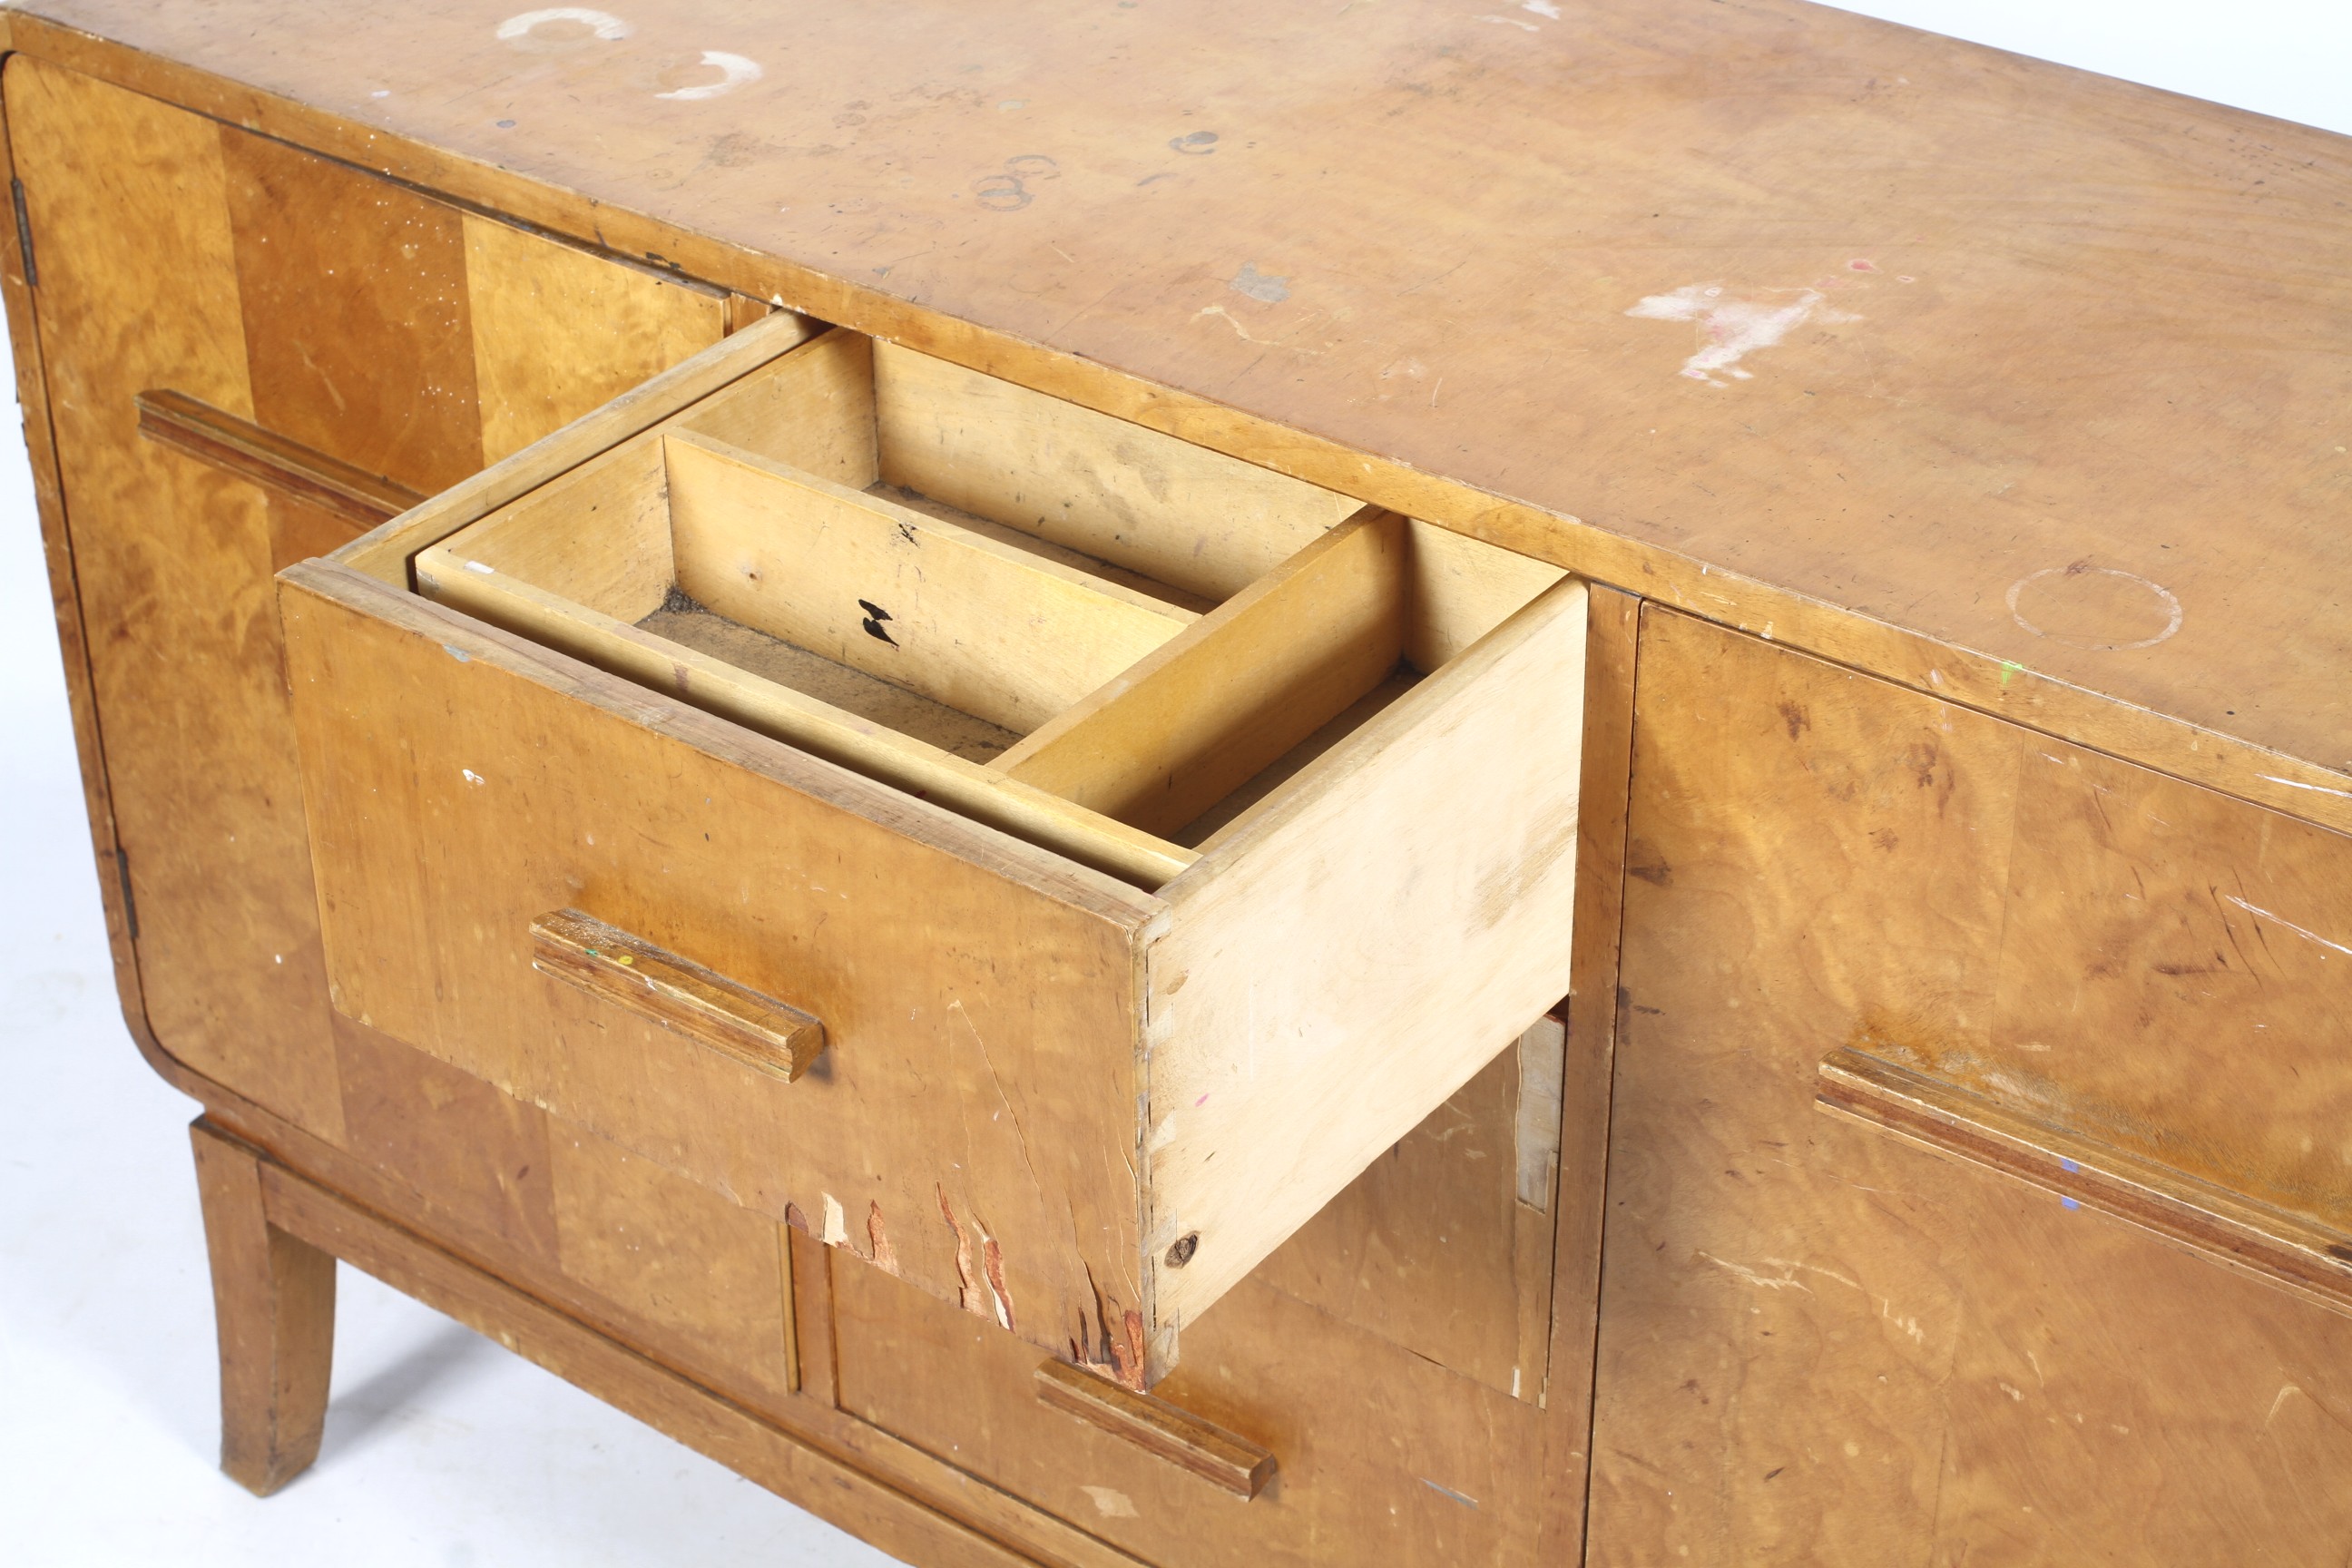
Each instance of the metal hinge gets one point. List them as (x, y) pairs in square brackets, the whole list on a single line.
[(122, 880), (24, 232)]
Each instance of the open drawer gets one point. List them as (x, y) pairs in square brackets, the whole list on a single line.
[(1047, 859)]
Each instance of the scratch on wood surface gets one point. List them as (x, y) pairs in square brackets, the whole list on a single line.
[(2315, 789), (2307, 934), (1786, 1281)]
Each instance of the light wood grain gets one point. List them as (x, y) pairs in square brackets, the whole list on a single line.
[(964, 618), (598, 536), (764, 1033), (187, 424), (386, 553), (170, 564), (721, 1429), (1385, 1457), (1182, 727), (274, 1305), (980, 990), (1821, 1343), (559, 331), (812, 410), (1158, 1428), (574, 562), (1429, 1250), (2270, 1244), (1366, 380), (1405, 905), (680, 1264), (1174, 511), (1595, 1004)]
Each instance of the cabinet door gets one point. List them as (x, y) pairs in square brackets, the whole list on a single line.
[(1823, 1343), (339, 326)]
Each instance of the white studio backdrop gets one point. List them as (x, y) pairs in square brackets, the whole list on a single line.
[(441, 1448)]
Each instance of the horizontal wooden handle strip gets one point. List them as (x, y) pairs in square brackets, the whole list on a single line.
[(1213, 1454), (303, 473), (2251, 1236), (605, 961)]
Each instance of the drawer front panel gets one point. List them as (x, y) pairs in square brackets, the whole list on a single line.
[(1823, 1343), (1383, 1456), (366, 323), (969, 1123)]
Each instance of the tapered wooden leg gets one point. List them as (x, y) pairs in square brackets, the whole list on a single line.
[(274, 1301)]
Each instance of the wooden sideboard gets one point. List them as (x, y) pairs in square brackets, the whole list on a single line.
[(1795, 1007)]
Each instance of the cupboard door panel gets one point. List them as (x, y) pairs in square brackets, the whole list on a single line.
[(333, 310), (1820, 1343), (138, 289), (1383, 1456)]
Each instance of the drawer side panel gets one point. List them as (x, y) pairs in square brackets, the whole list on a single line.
[(1351, 960)]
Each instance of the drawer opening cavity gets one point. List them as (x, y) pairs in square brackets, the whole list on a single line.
[(1099, 638)]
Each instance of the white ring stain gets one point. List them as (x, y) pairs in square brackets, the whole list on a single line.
[(2165, 597), (603, 24), (734, 73)]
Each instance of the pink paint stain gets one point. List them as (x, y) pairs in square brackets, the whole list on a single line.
[(1864, 266)]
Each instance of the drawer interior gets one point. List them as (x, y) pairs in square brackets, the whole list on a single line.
[(1097, 637)]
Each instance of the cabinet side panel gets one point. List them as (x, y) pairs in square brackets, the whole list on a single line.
[(138, 289)]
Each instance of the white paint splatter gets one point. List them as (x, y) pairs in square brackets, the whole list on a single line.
[(734, 72), (1541, 8), (2165, 597), (603, 24), (2305, 932), (1111, 1503), (1249, 337), (472, 777), (1507, 22), (484, 567), (1729, 327)]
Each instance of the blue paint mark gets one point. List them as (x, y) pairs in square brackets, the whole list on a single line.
[(2065, 1164), (1449, 1492), (460, 655), (2070, 1203)]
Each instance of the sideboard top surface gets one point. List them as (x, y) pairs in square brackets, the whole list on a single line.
[(2037, 363)]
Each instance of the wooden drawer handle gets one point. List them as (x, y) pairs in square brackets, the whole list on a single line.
[(605, 961), (2250, 1235), (1213, 1454), (174, 419)]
